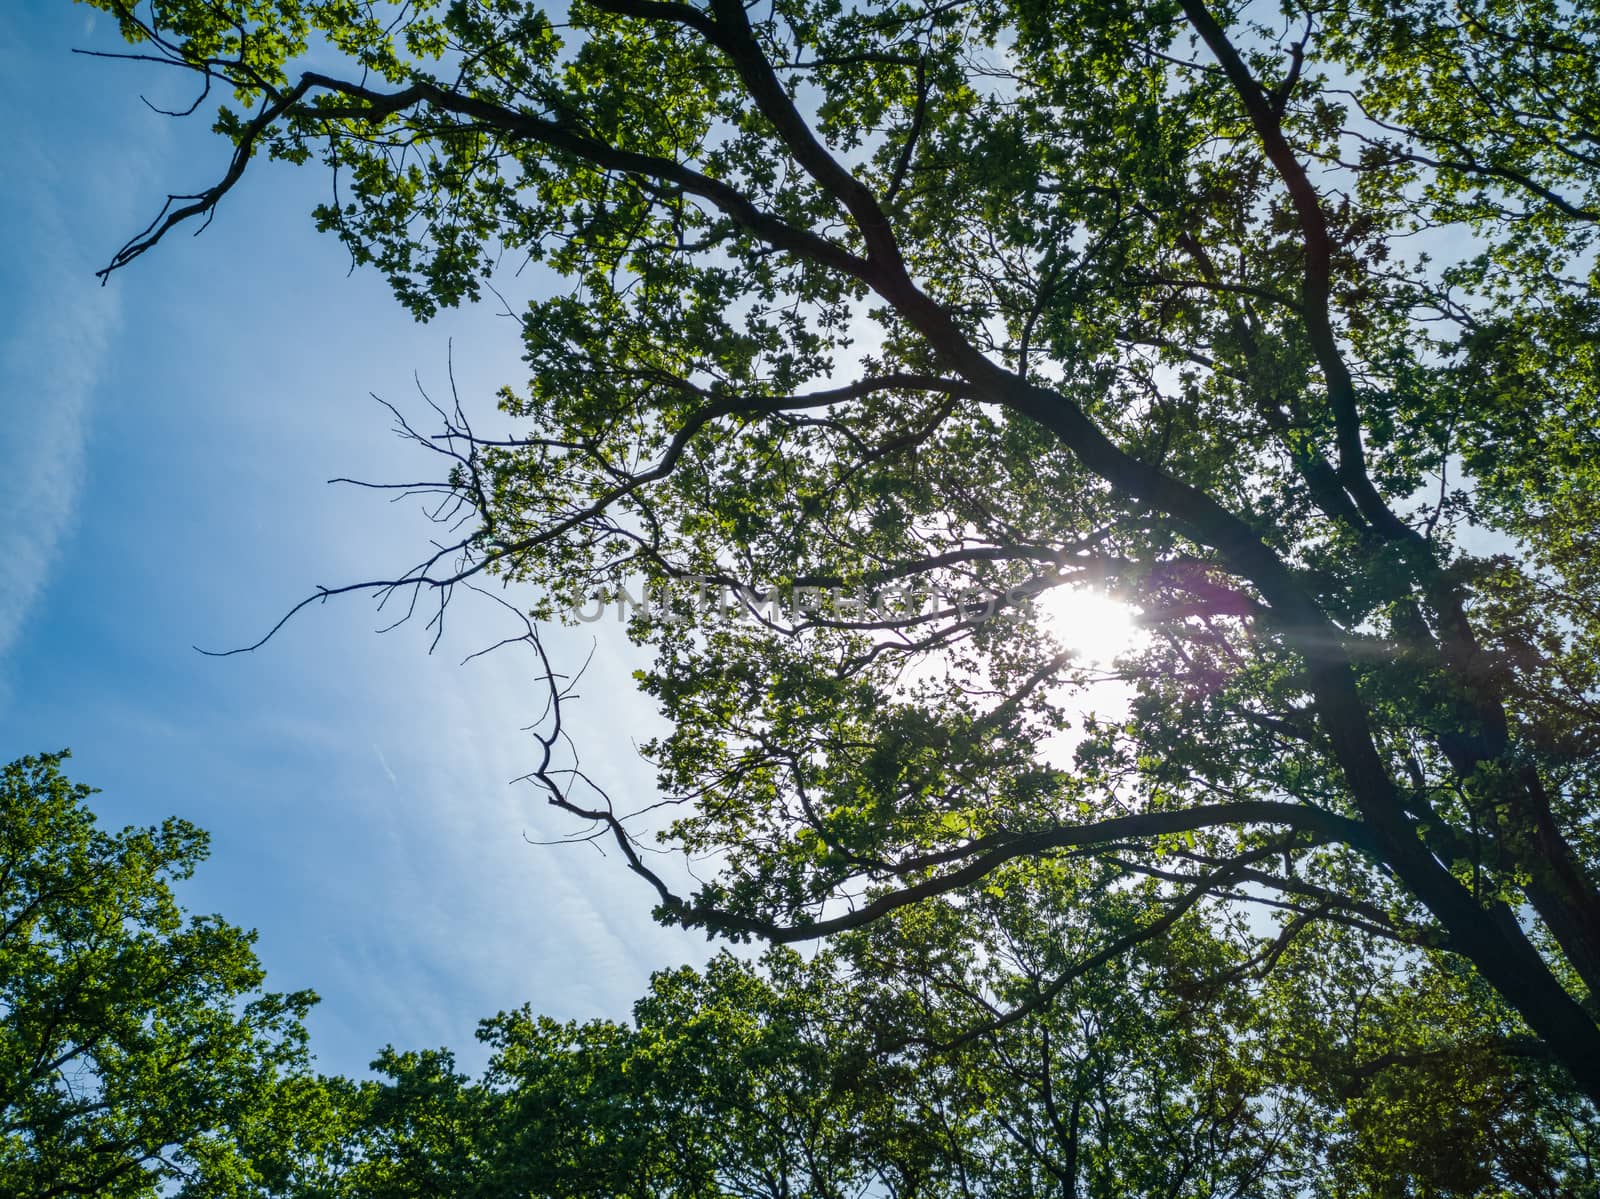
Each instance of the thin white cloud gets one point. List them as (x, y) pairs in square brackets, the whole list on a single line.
[(51, 365), (384, 762), (60, 323)]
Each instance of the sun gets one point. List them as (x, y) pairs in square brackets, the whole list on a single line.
[(1089, 624)]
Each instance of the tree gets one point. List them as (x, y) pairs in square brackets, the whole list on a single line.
[(138, 1056), (987, 1046), (1205, 1063), (721, 1086), (879, 1066), (1202, 305)]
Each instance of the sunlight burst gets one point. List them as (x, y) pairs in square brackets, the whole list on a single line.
[(1094, 627)]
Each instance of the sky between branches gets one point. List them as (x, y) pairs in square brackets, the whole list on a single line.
[(357, 789)]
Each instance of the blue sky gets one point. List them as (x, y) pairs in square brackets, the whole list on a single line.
[(163, 451)]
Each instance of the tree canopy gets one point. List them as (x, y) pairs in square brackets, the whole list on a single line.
[(1261, 319), (139, 1056), (142, 1060), (876, 1067)]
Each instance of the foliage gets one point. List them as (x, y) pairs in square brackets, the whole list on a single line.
[(138, 1056), (876, 1067), (995, 1050), (1206, 307)]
